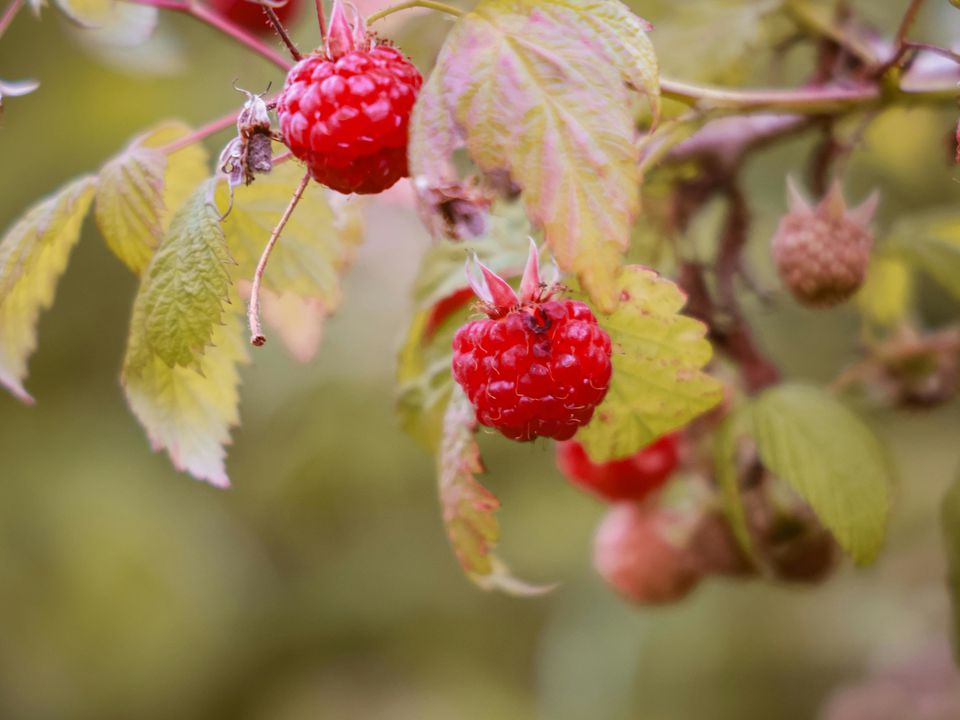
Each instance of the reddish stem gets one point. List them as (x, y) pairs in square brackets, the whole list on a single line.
[(9, 14), (282, 32), (205, 15), (322, 20)]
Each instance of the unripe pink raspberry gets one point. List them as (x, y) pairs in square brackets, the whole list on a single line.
[(635, 553), (822, 252)]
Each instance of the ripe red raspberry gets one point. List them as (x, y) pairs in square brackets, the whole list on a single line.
[(632, 478), (250, 16), (535, 367), (345, 111), (634, 553), (822, 252)]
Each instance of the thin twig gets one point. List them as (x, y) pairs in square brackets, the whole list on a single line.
[(253, 311), (900, 45), (282, 32), (942, 51), (211, 18), (9, 14), (426, 4)]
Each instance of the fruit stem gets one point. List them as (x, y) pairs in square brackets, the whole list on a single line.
[(9, 14), (322, 20), (209, 17), (427, 4), (282, 32), (253, 311)]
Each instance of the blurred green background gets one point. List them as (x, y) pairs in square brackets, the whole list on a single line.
[(321, 585)]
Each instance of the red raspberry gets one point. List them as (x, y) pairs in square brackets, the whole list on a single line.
[(634, 553), (632, 478), (250, 15), (535, 366), (346, 116)]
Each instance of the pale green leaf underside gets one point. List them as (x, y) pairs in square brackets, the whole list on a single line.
[(658, 354), (131, 23), (33, 255), (831, 459), (139, 189), (536, 90), (931, 243), (183, 289), (188, 411)]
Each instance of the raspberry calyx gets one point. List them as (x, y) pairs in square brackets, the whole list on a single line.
[(535, 366), (345, 110)]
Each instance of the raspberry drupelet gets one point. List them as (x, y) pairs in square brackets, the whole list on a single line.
[(535, 366), (346, 110)]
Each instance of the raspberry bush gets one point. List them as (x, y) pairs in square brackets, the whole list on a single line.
[(544, 133)]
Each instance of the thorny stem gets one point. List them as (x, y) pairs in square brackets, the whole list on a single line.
[(205, 15), (9, 14), (282, 32), (428, 4), (253, 311)]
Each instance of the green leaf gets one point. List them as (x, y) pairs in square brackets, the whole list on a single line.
[(183, 289), (468, 507), (33, 255), (138, 190), (886, 295), (657, 383), (950, 521), (314, 250), (188, 411), (717, 41), (725, 470), (547, 105), (831, 459), (931, 243)]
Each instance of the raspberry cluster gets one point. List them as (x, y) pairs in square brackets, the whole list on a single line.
[(347, 118)]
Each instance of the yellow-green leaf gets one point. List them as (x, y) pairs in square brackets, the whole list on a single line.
[(931, 243), (314, 250), (188, 411), (885, 296), (33, 255), (139, 189), (658, 384), (831, 459), (468, 507), (536, 90), (183, 289)]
